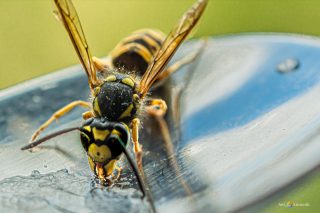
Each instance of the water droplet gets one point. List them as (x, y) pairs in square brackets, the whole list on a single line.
[(65, 171), (35, 173), (288, 65), (36, 99)]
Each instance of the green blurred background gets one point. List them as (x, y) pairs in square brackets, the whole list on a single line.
[(33, 42)]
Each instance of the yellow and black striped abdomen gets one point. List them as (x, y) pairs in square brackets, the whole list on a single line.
[(135, 52)]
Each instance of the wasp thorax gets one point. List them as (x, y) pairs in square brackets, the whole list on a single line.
[(116, 99)]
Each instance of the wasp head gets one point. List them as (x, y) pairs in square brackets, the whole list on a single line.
[(104, 142)]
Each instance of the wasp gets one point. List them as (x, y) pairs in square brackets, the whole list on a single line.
[(119, 88)]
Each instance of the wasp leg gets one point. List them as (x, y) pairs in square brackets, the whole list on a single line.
[(88, 114), (119, 169), (157, 109), (137, 148), (101, 65), (177, 65), (59, 114)]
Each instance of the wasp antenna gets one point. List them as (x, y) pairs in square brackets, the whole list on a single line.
[(141, 182), (48, 137)]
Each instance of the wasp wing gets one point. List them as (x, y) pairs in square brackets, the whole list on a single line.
[(170, 45), (68, 16)]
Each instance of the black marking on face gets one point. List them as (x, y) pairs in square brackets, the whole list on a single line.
[(118, 134)]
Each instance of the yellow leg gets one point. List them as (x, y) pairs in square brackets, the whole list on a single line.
[(101, 65), (119, 169), (157, 107), (59, 114), (137, 148), (88, 114)]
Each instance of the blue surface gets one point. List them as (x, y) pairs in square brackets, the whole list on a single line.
[(264, 91)]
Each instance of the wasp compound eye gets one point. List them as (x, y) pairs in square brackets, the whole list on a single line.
[(85, 137), (118, 139), (85, 140)]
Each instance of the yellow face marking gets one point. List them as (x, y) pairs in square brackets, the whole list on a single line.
[(111, 78), (127, 112), (116, 132), (99, 153), (96, 107), (110, 167), (91, 163), (88, 129), (100, 134), (128, 81)]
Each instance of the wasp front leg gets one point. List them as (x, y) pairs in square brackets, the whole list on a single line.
[(88, 114), (61, 112), (116, 177), (137, 148)]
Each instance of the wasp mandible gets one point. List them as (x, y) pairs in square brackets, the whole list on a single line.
[(119, 87)]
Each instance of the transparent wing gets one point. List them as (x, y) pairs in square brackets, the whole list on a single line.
[(68, 16), (170, 45)]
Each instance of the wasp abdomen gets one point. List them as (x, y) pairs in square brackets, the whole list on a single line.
[(136, 51)]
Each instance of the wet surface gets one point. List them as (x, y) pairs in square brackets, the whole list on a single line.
[(239, 129), (62, 191)]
